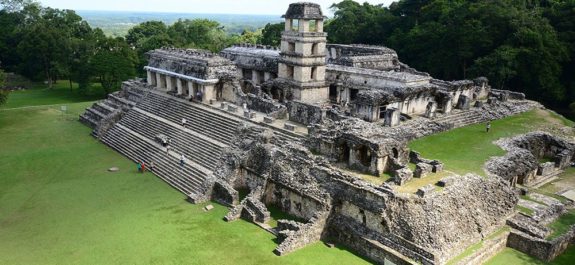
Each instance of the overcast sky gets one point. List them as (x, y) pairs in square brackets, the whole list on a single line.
[(264, 7)]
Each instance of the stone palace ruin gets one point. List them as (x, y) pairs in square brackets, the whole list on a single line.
[(292, 127)]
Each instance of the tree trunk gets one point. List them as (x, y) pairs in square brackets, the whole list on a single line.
[(70, 79)]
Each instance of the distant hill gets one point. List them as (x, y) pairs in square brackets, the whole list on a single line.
[(117, 23)]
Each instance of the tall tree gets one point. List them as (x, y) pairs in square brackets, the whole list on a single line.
[(114, 62), (271, 34), (198, 33), (3, 93)]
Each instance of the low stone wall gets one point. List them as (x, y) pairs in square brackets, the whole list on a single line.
[(306, 234), (540, 248), (511, 95), (267, 106), (489, 249), (304, 113)]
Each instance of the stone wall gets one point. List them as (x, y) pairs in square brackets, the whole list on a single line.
[(540, 248), (305, 113)]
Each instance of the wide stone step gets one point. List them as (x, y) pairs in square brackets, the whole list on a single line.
[(187, 180)]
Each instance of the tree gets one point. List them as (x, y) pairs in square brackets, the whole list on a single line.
[(271, 34), (141, 32), (114, 62), (15, 5), (198, 33), (3, 93)]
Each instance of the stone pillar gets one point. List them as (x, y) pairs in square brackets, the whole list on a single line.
[(255, 77), (168, 83), (160, 82), (149, 78), (191, 90), (208, 92), (303, 25), (179, 86), (288, 24), (319, 25), (267, 76)]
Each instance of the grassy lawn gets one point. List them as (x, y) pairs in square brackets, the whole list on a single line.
[(511, 256), (39, 94), (59, 205), (466, 149), (562, 224)]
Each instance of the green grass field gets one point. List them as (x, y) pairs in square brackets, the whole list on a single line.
[(466, 149), (38, 94), (511, 256), (59, 205)]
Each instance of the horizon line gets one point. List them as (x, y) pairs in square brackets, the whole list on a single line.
[(174, 12)]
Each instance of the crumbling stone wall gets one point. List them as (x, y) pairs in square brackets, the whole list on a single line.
[(540, 248), (305, 113), (521, 163)]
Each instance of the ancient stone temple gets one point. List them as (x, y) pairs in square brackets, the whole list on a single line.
[(291, 127)]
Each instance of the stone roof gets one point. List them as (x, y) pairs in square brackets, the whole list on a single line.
[(196, 55), (402, 77), (256, 51), (304, 10)]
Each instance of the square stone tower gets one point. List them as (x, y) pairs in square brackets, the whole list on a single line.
[(303, 53)]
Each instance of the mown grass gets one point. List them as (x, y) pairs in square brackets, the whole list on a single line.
[(59, 205), (562, 224), (477, 246), (39, 94), (465, 150), (511, 256)]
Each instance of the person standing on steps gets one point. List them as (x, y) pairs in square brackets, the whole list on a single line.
[(184, 122), (143, 167), (182, 160), (139, 167), (488, 126), (152, 165)]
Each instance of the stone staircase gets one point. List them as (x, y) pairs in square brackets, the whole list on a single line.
[(200, 119), (101, 109), (461, 118), (188, 179), (196, 147)]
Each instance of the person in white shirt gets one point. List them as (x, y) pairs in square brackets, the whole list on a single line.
[(182, 160)]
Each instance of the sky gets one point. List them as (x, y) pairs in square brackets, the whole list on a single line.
[(263, 7)]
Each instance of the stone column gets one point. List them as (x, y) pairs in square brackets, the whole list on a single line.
[(191, 89), (208, 93), (255, 77), (169, 83), (267, 76), (150, 79), (179, 86), (319, 25), (160, 81)]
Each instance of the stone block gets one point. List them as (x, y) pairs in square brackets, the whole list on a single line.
[(546, 168), (223, 106), (491, 100), (422, 169), (249, 114), (478, 104), (425, 190), (289, 127), (209, 207), (232, 108), (114, 169), (437, 167), (446, 182), (402, 176), (268, 119)]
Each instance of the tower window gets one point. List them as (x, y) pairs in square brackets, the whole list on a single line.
[(295, 25), (291, 46), (312, 26), (289, 71), (314, 49), (313, 73)]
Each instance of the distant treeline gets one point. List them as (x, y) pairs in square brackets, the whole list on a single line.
[(118, 23)]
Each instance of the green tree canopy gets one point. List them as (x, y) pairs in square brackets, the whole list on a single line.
[(271, 34), (114, 62)]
